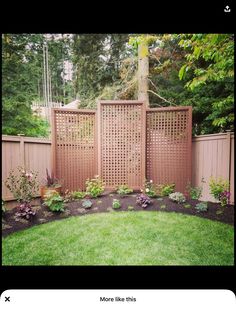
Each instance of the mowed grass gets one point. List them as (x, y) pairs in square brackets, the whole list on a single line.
[(123, 238)]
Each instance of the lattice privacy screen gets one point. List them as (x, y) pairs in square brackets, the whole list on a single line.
[(169, 138), (121, 143), (74, 146)]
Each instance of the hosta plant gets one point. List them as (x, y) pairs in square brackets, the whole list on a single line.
[(177, 197), (201, 207), (123, 190), (143, 200), (95, 186), (54, 201), (116, 204), (87, 204)]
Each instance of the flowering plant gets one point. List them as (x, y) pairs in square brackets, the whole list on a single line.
[(143, 200), (149, 188), (224, 198), (23, 185)]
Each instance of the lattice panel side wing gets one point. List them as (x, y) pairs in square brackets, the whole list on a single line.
[(75, 149), (169, 147)]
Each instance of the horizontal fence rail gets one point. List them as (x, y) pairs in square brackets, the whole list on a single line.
[(212, 155)]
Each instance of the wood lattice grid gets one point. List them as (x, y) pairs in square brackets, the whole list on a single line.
[(169, 139), (74, 146), (121, 143)]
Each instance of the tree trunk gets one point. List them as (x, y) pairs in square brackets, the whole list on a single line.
[(143, 71)]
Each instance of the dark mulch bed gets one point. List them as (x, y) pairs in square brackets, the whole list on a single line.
[(104, 204)]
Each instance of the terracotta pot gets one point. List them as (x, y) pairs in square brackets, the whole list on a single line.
[(44, 189)]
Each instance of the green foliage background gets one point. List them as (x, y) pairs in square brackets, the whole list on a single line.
[(184, 69)]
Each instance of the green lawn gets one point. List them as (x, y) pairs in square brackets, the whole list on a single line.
[(123, 238)]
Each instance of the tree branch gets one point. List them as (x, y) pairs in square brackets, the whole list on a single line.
[(151, 91)]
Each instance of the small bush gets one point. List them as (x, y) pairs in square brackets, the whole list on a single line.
[(177, 197), (25, 211), (150, 188), (167, 189), (143, 200), (116, 204), (87, 204), (201, 207), (123, 190), (219, 189), (3, 207), (194, 192), (22, 184), (73, 195), (94, 187), (54, 201), (130, 207)]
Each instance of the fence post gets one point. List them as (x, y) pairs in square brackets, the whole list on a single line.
[(228, 155)]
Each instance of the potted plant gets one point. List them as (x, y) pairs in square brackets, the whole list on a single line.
[(51, 183)]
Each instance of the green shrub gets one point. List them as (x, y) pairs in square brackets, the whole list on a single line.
[(73, 195), (150, 188), (54, 201), (201, 207), (177, 197), (218, 186), (167, 189), (3, 207), (123, 190), (94, 187), (194, 192), (22, 184), (116, 204), (130, 207)]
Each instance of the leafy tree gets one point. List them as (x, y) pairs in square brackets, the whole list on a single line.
[(210, 61)]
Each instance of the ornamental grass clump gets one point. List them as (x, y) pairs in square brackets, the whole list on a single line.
[(94, 187), (177, 197), (143, 200)]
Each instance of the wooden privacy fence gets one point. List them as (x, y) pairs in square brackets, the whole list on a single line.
[(211, 155), (32, 153)]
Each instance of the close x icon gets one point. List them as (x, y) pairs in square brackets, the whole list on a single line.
[(7, 299)]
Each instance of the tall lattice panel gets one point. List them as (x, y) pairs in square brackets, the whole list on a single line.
[(121, 142), (169, 138), (74, 146)]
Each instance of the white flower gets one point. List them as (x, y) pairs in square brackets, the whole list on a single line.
[(147, 190), (151, 181)]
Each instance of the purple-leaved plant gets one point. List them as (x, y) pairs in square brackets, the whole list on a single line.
[(143, 200)]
